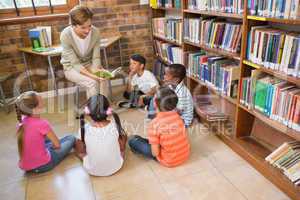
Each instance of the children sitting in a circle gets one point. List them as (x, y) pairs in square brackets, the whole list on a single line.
[(102, 142)]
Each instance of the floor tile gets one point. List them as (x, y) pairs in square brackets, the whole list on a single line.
[(70, 184)]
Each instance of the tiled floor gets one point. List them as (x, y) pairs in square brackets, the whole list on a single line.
[(213, 171)]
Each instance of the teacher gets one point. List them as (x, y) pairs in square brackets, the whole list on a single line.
[(81, 52)]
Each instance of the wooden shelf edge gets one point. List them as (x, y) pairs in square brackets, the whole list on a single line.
[(277, 20), (272, 72), (247, 151), (274, 124), (212, 13), (167, 40), (229, 99), (222, 52)]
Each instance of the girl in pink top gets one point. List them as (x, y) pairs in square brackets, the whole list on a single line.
[(39, 148)]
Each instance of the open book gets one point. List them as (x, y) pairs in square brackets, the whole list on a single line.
[(107, 74)]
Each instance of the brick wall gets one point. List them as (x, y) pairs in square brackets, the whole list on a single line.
[(112, 17)]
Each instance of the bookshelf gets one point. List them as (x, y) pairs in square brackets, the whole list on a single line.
[(254, 135)]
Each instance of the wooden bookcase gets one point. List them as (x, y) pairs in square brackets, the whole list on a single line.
[(254, 136)]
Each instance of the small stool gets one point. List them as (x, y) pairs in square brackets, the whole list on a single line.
[(3, 102)]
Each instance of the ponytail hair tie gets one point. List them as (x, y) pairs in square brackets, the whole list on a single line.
[(109, 111), (86, 110)]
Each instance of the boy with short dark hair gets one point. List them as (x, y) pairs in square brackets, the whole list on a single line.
[(142, 84), (167, 137), (174, 78)]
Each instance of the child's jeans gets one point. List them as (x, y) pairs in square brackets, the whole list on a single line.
[(151, 109), (140, 145), (57, 155)]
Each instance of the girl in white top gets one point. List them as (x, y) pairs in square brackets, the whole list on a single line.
[(103, 141)]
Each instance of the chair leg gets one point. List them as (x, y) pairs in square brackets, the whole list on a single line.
[(77, 97), (3, 99), (110, 89)]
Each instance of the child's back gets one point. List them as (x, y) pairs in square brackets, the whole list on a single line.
[(35, 153), (168, 131), (103, 156)]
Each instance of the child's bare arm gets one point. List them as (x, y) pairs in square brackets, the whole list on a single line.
[(80, 149), (122, 142), (54, 139)]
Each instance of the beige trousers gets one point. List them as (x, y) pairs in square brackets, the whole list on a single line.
[(92, 86)]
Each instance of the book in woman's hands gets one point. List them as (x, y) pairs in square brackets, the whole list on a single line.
[(107, 74)]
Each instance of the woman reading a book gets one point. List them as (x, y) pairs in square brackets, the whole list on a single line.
[(81, 52)]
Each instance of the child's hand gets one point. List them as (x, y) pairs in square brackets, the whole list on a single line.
[(80, 148)]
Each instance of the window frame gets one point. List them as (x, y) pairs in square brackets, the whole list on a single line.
[(8, 16)]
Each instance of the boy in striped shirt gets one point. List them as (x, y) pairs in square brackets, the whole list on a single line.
[(174, 77), (167, 137)]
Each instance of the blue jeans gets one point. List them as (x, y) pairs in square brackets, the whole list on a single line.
[(140, 145), (151, 109), (57, 155)]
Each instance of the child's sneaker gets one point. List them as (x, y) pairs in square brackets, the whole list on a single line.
[(125, 104)]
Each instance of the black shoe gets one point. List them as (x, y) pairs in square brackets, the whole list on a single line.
[(125, 104)]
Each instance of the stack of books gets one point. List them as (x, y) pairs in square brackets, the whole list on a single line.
[(277, 99), (168, 52), (40, 38), (168, 28), (287, 158), (213, 34), (274, 49), (211, 113), (218, 72), (233, 6), (287, 9)]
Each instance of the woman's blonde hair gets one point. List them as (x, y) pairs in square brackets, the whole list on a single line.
[(79, 15), (25, 104)]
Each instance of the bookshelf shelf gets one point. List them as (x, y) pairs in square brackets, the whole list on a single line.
[(229, 99), (254, 135), (255, 153), (276, 125), (222, 52), (217, 14), (167, 40), (275, 73), (276, 20)]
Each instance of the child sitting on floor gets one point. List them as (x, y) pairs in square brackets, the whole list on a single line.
[(39, 148), (142, 84), (174, 77), (103, 141), (167, 138)]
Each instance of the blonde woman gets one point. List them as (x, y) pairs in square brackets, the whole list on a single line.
[(81, 52)]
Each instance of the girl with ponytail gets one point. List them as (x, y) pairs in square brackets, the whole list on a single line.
[(103, 140), (39, 148)]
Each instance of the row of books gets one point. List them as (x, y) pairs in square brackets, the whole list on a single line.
[(288, 9), (287, 158), (168, 28), (228, 6), (40, 37), (275, 98), (168, 52), (213, 34), (275, 49), (218, 72), (165, 3)]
